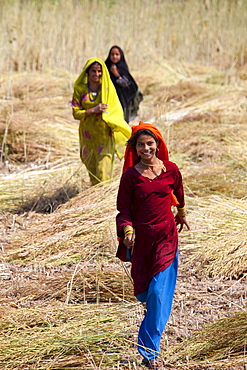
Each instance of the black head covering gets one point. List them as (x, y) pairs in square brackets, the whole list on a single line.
[(121, 65), (127, 94)]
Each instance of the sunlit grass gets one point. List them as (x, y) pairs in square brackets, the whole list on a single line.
[(58, 240), (64, 34)]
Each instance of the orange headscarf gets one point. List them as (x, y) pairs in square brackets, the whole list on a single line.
[(131, 158)]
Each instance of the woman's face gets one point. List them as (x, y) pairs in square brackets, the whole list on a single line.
[(95, 73), (146, 147), (115, 55)]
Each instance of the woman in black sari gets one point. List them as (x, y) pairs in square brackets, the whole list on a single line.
[(126, 87)]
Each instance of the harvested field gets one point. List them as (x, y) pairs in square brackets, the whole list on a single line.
[(66, 302), (58, 246)]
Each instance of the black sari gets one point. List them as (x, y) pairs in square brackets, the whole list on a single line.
[(126, 87)]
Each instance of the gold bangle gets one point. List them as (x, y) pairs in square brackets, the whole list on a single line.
[(127, 228), (182, 212), (128, 232)]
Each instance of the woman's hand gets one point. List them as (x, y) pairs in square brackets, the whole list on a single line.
[(114, 70), (129, 241), (181, 221), (101, 107)]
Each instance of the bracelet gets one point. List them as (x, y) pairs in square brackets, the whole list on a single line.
[(182, 212), (127, 228)]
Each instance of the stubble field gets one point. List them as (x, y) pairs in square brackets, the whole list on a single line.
[(66, 302)]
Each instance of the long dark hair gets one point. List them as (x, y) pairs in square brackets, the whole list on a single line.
[(133, 140)]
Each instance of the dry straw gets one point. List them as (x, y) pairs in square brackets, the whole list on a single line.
[(87, 219), (57, 255), (220, 237), (63, 34), (222, 340), (33, 106), (79, 335), (88, 283)]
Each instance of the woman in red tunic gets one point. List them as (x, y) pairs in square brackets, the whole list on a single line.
[(149, 186)]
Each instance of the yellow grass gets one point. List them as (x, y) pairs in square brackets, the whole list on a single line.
[(66, 302), (33, 106), (63, 34), (65, 253), (225, 338), (86, 335), (220, 237)]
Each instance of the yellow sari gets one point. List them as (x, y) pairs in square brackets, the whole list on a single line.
[(103, 134)]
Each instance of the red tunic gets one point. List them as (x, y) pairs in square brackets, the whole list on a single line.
[(146, 205)]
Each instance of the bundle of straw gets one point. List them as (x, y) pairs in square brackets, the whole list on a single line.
[(220, 237), (40, 338), (223, 339)]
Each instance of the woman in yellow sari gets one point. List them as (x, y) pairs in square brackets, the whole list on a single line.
[(103, 130)]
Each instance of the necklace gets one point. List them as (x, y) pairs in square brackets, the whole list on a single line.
[(92, 94), (161, 164)]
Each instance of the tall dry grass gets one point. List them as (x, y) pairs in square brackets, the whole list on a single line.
[(36, 35)]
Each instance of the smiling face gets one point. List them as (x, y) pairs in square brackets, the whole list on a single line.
[(146, 148), (95, 73), (115, 55)]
